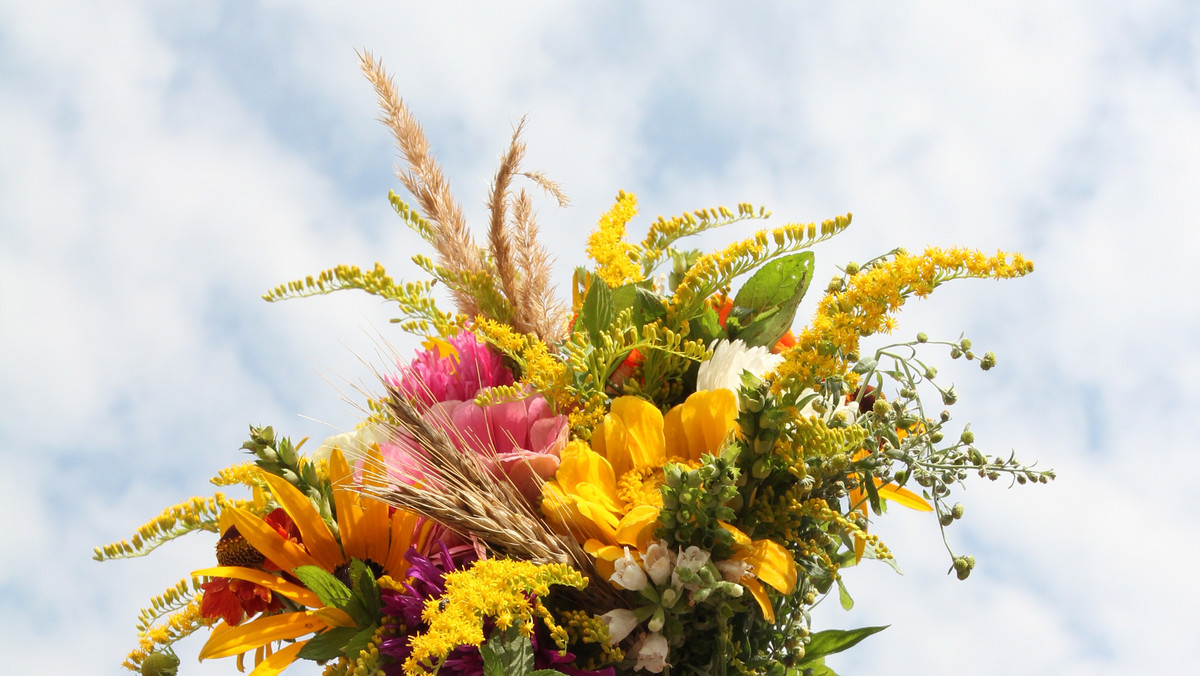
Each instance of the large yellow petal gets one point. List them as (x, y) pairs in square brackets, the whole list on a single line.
[(284, 553), (774, 565), (707, 418), (636, 528), (271, 581), (581, 465), (345, 500), (226, 640), (903, 496), (760, 595), (740, 539), (313, 532), (673, 433), (404, 527), (279, 661), (643, 423), (611, 440)]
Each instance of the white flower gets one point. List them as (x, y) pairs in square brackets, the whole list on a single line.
[(620, 622), (659, 562), (692, 559), (353, 445), (733, 570), (724, 369), (652, 653), (849, 409), (628, 573)]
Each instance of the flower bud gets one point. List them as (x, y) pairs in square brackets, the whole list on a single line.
[(160, 664), (949, 397), (967, 436), (965, 343), (853, 268), (988, 361), (957, 510), (922, 337)]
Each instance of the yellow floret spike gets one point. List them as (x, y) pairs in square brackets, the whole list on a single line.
[(616, 259), (181, 623), (864, 304), (493, 588)]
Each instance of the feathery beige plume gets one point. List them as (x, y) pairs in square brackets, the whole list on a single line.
[(499, 235)]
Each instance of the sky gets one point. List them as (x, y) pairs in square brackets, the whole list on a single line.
[(162, 164)]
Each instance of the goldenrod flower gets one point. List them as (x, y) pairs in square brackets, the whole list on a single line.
[(367, 532)]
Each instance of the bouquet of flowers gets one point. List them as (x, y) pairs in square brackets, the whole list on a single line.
[(662, 476)]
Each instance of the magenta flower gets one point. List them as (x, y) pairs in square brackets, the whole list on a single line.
[(434, 376)]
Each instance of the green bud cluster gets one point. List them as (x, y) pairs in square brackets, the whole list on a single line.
[(694, 502), (281, 458)]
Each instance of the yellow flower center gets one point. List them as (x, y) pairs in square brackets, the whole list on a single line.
[(639, 486)]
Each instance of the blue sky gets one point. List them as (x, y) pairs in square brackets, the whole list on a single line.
[(162, 164)]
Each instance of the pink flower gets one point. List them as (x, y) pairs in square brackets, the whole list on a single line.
[(454, 370)]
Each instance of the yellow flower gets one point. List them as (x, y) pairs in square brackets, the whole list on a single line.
[(607, 495), (367, 532), (762, 561)]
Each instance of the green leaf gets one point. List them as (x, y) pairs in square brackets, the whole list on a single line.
[(328, 588), (507, 653), (844, 595), (647, 306), (833, 641), (597, 311), (365, 587), (772, 295), (334, 593), (705, 327), (359, 641), (327, 644)]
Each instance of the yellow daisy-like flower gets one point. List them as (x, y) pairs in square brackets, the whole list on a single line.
[(607, 494), (368, 531)]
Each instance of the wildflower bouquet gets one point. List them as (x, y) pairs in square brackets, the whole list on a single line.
[(660, 477)]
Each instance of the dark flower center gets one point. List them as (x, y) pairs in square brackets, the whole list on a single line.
[(234, 550)]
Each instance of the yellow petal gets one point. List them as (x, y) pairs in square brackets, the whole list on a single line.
[(279, 661), (375, 528), (404, 526), (774, 565), (760, 595), (334, 617), (228, 640), (284, 553), (740, 539), (271, 581), (345, 500), (636, 528), (313, 532), (581, 465), (860, 548), (904, 497), (644, 439), (707, 418), (674, 434)]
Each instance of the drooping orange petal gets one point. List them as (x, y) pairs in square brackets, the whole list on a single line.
[(404, 525), (345, 500), (334, 617), (740, 539), (233, 640), (271, 581), (284, 553), (313, 532), (279, 661), (760, 595), (903, 496)]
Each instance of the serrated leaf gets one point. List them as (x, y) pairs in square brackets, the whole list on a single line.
[(706, 327), (844, 595), (333, 593), (508, 650), (328, 588), (833, 641), (772, 295), (597, 310), (648, 306), (327, 644), (360, 641), (365, 587)]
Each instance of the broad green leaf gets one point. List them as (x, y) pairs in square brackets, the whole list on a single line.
[(334, 593), (328, 588), (360, 641), (705, 327), (844, 595), (365, 587), (597, 310), (647, 306), (833, 641), (509, 651), (776, 283), (327, 644)]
